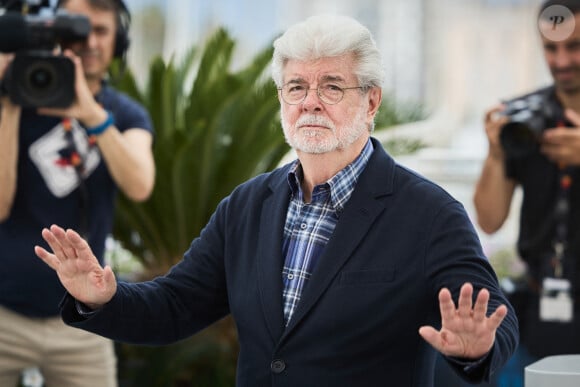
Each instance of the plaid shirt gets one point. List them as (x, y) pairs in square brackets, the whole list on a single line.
[(309, 226)]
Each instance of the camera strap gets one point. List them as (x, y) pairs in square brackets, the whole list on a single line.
[(556, 300), (561, 213), (78, 162)]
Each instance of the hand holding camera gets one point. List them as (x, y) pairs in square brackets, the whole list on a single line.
[(534, 124), (37, 76), (84, 107), (562, 144), (528, 117), (5, 60)]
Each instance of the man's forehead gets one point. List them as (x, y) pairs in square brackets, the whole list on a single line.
[(299, 78), (329, 68)]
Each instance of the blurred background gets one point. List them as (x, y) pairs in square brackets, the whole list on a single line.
[(455, 58), (449, 59)]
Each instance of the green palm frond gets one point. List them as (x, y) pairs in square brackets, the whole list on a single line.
[(212, 133)]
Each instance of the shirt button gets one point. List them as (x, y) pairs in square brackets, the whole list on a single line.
[(290, 276), (277, 366), (303, 226)]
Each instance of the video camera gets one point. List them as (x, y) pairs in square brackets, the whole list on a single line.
[(37, 77), (529, 116)]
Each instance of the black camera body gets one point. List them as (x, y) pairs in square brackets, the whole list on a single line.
[(529, 116), (37, 77), (40, 79)]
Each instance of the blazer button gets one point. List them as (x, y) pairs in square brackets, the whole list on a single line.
[(277, 366)]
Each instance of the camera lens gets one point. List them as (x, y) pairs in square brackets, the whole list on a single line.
[(41, 77)]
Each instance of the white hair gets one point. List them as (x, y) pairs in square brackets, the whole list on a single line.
[(329, 36)]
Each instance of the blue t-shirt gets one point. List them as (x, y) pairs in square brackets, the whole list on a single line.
[(50, 191)]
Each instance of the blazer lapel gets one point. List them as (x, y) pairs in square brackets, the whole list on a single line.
[(363, 208), (269, 255), (349, 232)]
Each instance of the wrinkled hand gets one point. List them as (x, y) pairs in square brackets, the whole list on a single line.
[(77, 268), (562, 145), (466, 331)]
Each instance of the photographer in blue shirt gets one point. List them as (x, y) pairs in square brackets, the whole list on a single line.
[(65, 165)]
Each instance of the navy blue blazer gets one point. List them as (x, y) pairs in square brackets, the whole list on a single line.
[(398, 241)]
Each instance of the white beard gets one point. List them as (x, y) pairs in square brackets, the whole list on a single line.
[(325, 139)]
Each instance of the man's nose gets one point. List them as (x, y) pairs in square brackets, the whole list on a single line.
[(312, 101), (91, 40), (562, 58)]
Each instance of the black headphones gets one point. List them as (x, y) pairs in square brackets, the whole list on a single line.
[(123, 23)]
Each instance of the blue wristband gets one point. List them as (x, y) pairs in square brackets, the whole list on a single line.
[(96, 130)]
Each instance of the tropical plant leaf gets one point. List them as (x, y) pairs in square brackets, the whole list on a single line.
[(212, 133)]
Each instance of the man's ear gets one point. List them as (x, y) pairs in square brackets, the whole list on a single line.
[(375, 96)]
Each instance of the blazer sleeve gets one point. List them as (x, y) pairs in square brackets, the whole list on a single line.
[(454, 257), (191, 296)]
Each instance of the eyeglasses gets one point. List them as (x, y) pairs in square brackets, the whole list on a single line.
[(330, 94)]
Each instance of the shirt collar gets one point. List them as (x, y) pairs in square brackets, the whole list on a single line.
[(341, 185)]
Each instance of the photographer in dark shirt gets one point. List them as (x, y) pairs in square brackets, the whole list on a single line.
[(67, 165), (534, 143)]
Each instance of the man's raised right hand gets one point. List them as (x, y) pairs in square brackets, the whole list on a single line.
[(77, 267)]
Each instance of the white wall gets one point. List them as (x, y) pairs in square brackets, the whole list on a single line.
[(457, 57)]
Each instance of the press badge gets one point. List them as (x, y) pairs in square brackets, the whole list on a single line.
[(556, 302)]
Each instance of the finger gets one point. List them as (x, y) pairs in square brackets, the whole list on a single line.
[(446, 305), (557, 136), (65, 246), (497, 317), (52, 240), (432, 336), (494, 120), (48, 258), (79, 72), (54, 112), (464, 306), (493, 112), (480, 308), (82, 248), (69, 54), (573, 117)]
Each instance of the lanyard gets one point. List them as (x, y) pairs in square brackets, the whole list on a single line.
[(562, 212)]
